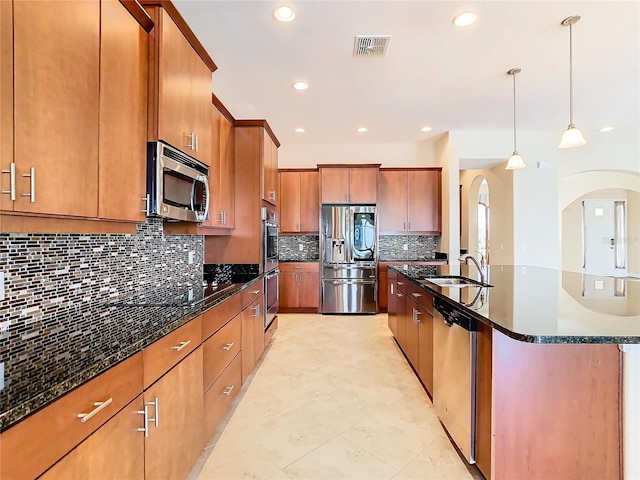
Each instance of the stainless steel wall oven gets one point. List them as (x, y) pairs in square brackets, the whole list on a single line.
[(270, 230)]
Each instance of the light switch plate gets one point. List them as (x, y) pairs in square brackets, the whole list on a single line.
[(301, 246), (191, 257), (405, 246)]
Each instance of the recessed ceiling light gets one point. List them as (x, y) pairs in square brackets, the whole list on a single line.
[(425, 129), (464, 19), (608, 128), (299, 130), (362, 129), (284, 13), (300, 85)]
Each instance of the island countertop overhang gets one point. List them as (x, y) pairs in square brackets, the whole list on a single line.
[(542, 305)]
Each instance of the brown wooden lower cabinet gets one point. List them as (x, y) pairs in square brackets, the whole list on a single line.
[(176, 402), (391, 302), (252, 329), (115, 450), (299, 287)]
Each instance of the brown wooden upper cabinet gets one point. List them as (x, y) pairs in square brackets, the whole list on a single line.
[(299, 201), (222, 173), (409, 201), (180, 85), (270, 169), (73, 97), (349, 184)]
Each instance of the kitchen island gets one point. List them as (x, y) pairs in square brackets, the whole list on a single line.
[(547, 400)]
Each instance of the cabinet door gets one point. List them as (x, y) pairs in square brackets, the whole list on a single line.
[(269, 189), (123, 114), (335, 185), (215, 177), (424, 201), (115, 450), (227, 173), (172, 448), (309, 289), (412, 332), (401, 308), (288, 289), (6, 103), (248, 345), (290, 202), (200, 109), (56, 92), (309, 202), (273, 173), (425, 348), (363, 185), (174, 102), (258, 328), (392, 303), (392, 201)]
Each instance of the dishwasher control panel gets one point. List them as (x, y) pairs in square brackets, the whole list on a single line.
[(452, 315)]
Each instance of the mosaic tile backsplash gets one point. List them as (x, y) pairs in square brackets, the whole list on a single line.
[(289, 248), (58, 288), (419, 247)]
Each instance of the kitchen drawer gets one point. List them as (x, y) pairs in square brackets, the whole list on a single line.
[(271, 331), (220, 349), (252, 292), (298, 267), (219, 397), (217, 316), (36, 443), (419, 295), (163, 354)]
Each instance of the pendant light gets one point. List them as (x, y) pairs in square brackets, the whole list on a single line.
[(572, 137), (515, 160)]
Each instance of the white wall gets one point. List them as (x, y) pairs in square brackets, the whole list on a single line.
[(388, 154)]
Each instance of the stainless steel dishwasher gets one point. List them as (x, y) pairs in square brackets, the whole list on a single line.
[(454, 374)]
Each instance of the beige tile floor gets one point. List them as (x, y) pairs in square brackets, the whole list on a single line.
[(333, 398)]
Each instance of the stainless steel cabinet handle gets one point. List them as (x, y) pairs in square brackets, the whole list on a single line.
[(225, 216), (400, 283), (257, 310), (408, 225), (399, 295), (191, 136), (228, 346), (416, 295), (146, 199), (156, 407), (391, 286), (255, 292), (177, 348), (404, 225), (32, 192), (228, 390), (418, 313), (144, 429), (12, 182), (197, 142), (221, 217), (99, 406)]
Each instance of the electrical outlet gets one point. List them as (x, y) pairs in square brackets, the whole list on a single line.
[(405, 246), (1, 286), (301, 246), (191, 257)]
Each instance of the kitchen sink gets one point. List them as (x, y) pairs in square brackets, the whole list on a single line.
[(456, 282)]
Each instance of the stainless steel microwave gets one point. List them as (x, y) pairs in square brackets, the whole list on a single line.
[(177, 184)]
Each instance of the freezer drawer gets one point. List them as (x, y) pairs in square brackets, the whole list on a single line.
[(349, 271), (349, 296)]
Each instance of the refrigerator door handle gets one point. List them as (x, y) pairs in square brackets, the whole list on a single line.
[(348, 281)]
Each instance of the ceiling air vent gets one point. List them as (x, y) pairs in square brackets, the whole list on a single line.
[(371, 45)]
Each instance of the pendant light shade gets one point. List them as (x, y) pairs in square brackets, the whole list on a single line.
[(572, 137), (515, 161)]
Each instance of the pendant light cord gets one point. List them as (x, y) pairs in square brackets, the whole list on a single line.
[(514, 113), (571, 74)]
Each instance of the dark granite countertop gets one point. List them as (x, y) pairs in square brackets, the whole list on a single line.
[(124, 328), (542, 305)]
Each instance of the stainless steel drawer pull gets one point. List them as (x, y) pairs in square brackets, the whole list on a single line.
[(12, 182), (255, 292), (228, 346), (221, 217), (416, 295), (177, 348), (32, 191), (227, 391), (192, 137), (256, 309), (400, 283), (146, 207), (99, 406), (145, 414), (399, 294), (156, 407)]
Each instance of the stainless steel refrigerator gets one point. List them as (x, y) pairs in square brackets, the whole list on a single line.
[(348, 242)]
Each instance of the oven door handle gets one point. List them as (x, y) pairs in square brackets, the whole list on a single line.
[(274, 274)]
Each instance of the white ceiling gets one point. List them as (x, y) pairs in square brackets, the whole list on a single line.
[(434, 74)]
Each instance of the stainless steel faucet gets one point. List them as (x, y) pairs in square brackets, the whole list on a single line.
[(465, 259)]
